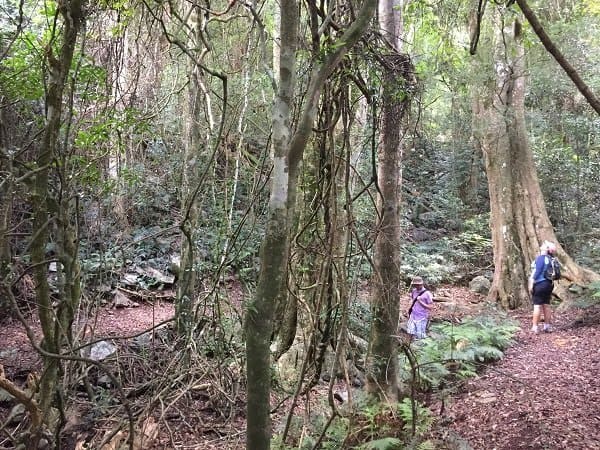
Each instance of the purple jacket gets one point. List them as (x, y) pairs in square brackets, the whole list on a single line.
[(419, 312)]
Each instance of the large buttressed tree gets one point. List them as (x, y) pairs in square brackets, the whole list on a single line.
[(519, 220)]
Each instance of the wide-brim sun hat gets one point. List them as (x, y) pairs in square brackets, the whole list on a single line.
[(417, 281)]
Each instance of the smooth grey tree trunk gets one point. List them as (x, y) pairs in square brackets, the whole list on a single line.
[(288, 152)]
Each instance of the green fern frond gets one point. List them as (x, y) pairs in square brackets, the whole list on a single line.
[(485, 353), (456, 349), (426, 445), (388, 443)]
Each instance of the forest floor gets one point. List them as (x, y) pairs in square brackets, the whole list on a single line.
[(544, 394)]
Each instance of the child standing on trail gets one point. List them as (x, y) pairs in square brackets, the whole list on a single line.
[(421, 305)]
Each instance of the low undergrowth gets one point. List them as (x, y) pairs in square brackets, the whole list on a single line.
[(452, 353)]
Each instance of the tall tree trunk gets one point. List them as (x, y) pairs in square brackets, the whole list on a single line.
[(6, 199), (273, 253), (468, 162), (44, 207), (398, 75), (202, 138), (122, 92), (196, 103), (519, 220), (288, 152)]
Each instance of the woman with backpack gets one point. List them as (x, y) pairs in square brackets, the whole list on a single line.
[(540, 285)]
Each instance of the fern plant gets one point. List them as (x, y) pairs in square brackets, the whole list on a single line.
[(455, 350), (388, 443), (423, 419)]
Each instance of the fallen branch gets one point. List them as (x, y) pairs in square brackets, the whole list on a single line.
[(22, 397)]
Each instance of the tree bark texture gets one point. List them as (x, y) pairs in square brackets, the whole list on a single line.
[(327, 262), (288, 152), (194, 144), (45, 208), (519, 220), (398, 86), (6, 199), (274, 249), (382, 360)]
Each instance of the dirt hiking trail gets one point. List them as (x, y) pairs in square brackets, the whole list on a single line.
[(544, 394)]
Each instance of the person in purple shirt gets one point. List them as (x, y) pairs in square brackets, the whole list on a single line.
[(540, 288), (421, 305)]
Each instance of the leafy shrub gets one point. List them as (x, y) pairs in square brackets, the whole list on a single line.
[(336, 434), (375, 426), (389, 427), (588, 251), (372, 426), (591, 297), (304, 436), (432, 260), (446, 259), (97, 266), (359, 318), (456, 351), (424, 419), (388, 443)]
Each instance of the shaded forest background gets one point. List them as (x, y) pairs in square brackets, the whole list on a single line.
[(137, 149)]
